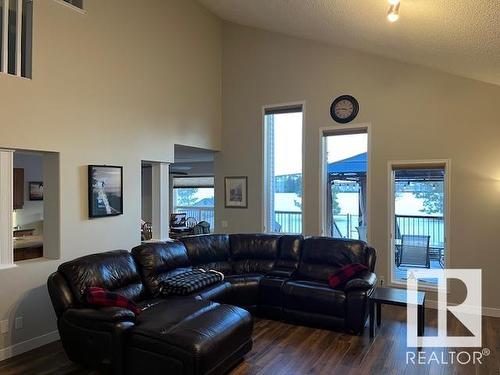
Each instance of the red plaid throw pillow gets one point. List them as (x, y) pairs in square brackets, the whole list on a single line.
[(345, 274), (102, 297)]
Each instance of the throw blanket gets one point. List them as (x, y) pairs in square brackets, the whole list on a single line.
[(189, 282)]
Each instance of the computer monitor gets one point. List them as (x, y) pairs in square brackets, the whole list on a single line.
[(178, 220)]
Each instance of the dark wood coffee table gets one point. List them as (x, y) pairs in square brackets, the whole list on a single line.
[(395, 297)]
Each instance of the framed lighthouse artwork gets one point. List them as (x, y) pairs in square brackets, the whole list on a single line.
[(105, 190)]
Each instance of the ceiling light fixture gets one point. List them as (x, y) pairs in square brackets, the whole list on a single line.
[(393, 12)]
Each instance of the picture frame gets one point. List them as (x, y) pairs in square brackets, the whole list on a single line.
[(236, 192), (35, 189), (105, 190)]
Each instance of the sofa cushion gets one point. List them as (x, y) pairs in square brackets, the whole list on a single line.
[(253, 253), (210, 251), (158, 261), (115, 271), (314, 297), (218, 293), (244, 289), (189, 282), (194, 335), (289, 252), (322, 256)]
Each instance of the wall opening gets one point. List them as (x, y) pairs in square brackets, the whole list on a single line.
[(30, 196)]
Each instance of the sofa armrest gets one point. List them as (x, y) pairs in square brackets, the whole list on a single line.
[(365, 281), (104, 314), (281, 272)]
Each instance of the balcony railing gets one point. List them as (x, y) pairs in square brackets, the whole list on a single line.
[(347, 226), (199, 213), (287, 222), (432, 226)]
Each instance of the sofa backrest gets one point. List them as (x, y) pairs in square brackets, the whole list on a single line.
[(113, 270), (209, 251), (289, 252), (322, 256), (157, 261), (253, 253)]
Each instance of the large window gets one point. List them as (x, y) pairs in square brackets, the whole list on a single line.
[(283, 169), (346, 171), (195, 196), (16, 37), (418, 217)]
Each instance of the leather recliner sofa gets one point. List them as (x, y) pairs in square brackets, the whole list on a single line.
[(280, 277)]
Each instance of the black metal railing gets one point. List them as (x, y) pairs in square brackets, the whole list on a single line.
[(199, 213), (432, 226), (287, 222)]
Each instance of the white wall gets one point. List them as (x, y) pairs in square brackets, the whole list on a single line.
[(416, 113), (31, 215), (118, 85)]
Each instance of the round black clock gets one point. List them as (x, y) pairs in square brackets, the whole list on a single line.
[(344, 109)]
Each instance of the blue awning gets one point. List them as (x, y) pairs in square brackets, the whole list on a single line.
[(354, 164)]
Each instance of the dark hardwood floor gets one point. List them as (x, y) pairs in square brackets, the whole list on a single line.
[(288, 349)]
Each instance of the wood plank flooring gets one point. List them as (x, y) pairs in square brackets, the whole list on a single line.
[(281, 349)]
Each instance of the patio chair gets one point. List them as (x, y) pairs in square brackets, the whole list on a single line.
[(414, 251), (203, 227)]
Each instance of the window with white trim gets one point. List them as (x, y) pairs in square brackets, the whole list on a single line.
[(16, 29), (75, 3), (195, 196), (418, 217), (283, 169)]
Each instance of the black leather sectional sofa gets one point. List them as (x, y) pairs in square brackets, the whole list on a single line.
[(274, 276)]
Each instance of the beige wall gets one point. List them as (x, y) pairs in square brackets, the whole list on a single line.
[(416, 113), (118, 85)]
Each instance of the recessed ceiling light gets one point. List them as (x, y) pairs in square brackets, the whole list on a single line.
[(393, 12)]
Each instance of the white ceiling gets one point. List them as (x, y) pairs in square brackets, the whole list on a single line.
[(457, 36)]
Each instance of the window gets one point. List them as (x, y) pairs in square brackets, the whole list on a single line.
[(75, 4), (418, 217), (195, 196), (283, 169), (16, 37), (346, 171)]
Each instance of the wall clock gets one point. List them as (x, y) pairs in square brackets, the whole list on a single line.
[(344, 109)]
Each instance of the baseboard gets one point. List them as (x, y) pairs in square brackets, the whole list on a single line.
[(26, 346), (487, 311)]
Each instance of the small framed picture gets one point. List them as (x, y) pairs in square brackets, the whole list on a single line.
[(36, 190), (105, 191), (236, 192)]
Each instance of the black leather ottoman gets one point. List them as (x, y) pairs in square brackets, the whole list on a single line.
[(187, 336)]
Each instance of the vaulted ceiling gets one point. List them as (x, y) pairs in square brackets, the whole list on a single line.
[(457, 36)]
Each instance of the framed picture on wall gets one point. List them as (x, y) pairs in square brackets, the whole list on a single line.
[(36, 190), (105, 190), (236, 192)]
